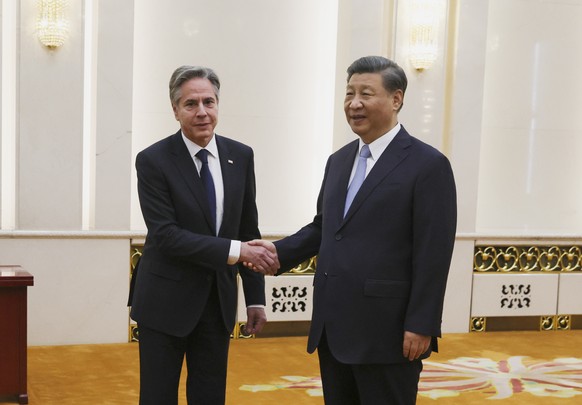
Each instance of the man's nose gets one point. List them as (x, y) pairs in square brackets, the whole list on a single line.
[(355, 103), (201, 111)]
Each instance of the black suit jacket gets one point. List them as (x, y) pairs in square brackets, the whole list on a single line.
[(182, 256), (383, 268)]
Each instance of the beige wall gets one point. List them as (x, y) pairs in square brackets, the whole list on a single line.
[(529, 180), (276, 63), (74, 118)]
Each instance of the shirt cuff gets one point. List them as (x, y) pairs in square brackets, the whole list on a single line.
[(234, 252), (255, 306)]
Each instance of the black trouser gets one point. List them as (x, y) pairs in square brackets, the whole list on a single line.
[(367, 384), (206, 351)]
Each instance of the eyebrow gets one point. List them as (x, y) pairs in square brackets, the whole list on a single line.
[(195, 99), (363, 87)]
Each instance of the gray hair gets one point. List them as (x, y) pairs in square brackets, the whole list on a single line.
[(185, 73), (393, 76)]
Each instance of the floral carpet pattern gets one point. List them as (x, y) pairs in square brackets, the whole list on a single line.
[(311, 385), (517, 375), (560, 378)]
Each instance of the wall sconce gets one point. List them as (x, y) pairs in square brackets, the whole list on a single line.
[(52, 26), (424, 24)]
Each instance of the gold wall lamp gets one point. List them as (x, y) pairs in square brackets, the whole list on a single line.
[(52, 25), (424, 25)]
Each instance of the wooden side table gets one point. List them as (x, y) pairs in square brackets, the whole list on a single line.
[(13, 340)]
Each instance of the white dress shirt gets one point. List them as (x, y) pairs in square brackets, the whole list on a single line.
[(376, 149), (216, 172)]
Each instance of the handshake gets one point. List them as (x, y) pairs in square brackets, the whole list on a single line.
[(260, 256)]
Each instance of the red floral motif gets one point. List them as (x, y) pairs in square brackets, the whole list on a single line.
[(560, 378)]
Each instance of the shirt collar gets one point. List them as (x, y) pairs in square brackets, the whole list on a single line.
[(193, 148), (379, 145)]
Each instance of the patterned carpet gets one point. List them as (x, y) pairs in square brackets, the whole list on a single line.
[(495, 367)]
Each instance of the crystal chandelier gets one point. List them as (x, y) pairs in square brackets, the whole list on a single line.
[(424, 32), (52, 26)]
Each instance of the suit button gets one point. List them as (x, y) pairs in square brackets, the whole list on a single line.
[(338, 236), (325, 274)]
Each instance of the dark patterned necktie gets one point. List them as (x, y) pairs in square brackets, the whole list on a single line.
[(206, 177)]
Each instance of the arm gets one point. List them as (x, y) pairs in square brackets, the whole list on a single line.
[(434, 224), (253, 283), (161, 218)]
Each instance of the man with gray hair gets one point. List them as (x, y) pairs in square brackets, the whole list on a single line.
[(197, 196), (384, 234)]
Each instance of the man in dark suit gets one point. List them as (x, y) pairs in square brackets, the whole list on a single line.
[(383, 259), (197, 196)]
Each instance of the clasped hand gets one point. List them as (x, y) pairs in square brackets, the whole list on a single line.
[(260, 256)]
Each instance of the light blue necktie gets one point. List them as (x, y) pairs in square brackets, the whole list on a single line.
[(359, 177)]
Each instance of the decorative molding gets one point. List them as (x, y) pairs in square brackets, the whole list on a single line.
[(285, 299), (480, 239), (515, 296), (135, 252), (307, 267), (546, 323), (563, 322), (522, 294), (134, 255), (478, 324), (133, 333), (505, 259), (239, 332), (71, 235)]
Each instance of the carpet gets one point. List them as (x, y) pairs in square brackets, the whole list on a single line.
[(476, 368)]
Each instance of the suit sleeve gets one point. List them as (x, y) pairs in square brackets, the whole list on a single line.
[(434, 225), (163, 227), (253, 283)]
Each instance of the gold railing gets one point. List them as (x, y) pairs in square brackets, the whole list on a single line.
[(527, 259)]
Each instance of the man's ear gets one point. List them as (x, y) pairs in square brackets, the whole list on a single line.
[(397, 99), (175, 109)]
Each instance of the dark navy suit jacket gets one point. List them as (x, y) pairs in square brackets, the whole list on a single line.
[(383, 268), (182, 256)]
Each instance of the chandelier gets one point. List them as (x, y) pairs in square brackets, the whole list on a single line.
[(52, 26), (424, 26)]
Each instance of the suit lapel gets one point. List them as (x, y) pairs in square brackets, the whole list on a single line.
[(340, 177), (394, 153), (187, 169), (228, 168)]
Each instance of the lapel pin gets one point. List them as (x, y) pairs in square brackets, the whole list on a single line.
[(230, 162)]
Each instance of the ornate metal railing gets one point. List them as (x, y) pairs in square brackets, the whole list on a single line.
[(514, 259), (527, 258)]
